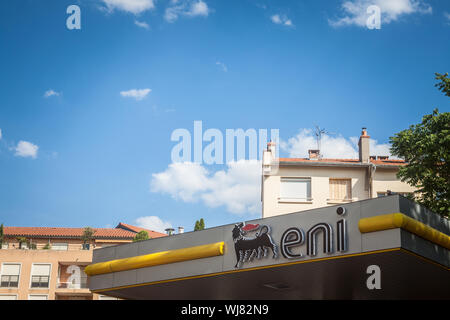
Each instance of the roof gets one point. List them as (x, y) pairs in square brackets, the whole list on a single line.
[(58, 232), (151, 233), (387, 162)]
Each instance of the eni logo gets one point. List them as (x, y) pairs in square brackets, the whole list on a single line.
[(248, 248), (257, 246)]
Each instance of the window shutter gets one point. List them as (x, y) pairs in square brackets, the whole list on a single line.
[(340, 189), (295, 188), (41, 270), (11, 269), (37, 297)]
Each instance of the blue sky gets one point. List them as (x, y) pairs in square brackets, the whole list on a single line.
[(78, 147)]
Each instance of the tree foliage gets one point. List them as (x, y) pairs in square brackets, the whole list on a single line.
[(444, 84), (140, 236), (2, 236), (199, 225), (426, 148), (86, 237)]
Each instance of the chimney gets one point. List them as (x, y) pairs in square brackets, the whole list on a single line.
[(268, 157), (180, 230), (271, 147), (363, 145), (314, 154), (169, 231)]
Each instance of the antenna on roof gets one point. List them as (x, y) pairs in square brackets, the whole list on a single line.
[(318, 133)]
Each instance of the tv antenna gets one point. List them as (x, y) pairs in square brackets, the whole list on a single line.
[(318, 132)]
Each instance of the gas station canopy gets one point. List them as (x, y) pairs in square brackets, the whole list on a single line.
[(383, 248)]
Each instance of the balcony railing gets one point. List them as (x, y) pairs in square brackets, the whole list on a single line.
[(70, 285)]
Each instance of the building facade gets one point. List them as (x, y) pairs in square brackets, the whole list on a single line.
[(42, 263), (298, 184)]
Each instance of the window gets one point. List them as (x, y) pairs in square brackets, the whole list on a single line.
[(8, 296), (340, 189), (107, 298), (40, 275), (85, 246), (10, 275), (5, 245), (60, 246), (295, 189), (37, 297)]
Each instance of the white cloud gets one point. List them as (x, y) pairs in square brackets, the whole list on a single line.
[(132, 6), (198, 8), (153, 223), (222, 66), (237, 188), (137, 94), (281, 19), (26, 149), (171, 14), (186, 8), (142, 24), (447, 17), (355, 11), (331, 147), (50, 93)]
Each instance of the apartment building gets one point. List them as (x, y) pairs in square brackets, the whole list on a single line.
[(298, 184), (44, 263)]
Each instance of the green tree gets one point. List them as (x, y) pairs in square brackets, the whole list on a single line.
[(140, 236), (202, 224), (2, 235), (444, 84), (199, 225), (86, 237), (426, 149), (22, 241)]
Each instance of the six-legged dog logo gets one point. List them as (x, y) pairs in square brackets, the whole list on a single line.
[(248, 248)]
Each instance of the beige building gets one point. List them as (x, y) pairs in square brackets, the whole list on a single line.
[(298, 184), (42, 263)]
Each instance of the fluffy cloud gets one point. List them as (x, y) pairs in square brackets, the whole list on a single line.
[(153, 223), (237, 188), (50, 93), (142, 24), (137, 94), (186, 8), (281, 19), (331, 147), (198, 8), (26, 149), (355, 11), (132, 6)]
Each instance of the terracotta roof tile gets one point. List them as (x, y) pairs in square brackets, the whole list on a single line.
[(67, 232), (330, 160), (151, 233)]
